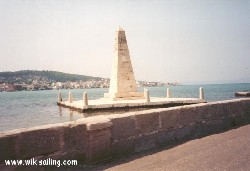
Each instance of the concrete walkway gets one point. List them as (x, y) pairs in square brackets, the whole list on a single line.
[(228, 151)]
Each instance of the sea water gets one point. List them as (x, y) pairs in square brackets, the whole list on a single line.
[(25, 109)]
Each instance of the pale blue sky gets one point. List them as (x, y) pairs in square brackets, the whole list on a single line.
[(191, 41)]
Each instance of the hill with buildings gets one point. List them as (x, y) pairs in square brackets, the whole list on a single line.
[(28, 76), (46, 80), (32, 80)]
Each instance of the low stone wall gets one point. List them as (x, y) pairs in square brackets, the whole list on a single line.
[(99, 138)]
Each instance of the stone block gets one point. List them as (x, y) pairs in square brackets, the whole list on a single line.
[(8, 147), (123, 147), (216, 111), (39, 142), (145, 142), (246, 104), (203, 112), (75, 137), (183, 133), (240, 120), (169, 119), (188, 115), (246, 120), (176, 135), (237, 109), (95, 122), (165, 137), (212, 112), (215, 126), (99, 145), (147, 122), (226, 109), (123, 127), (195, 130)]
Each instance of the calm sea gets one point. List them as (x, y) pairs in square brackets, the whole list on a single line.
[(32, 108)]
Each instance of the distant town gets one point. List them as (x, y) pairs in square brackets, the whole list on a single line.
[(49, 80)]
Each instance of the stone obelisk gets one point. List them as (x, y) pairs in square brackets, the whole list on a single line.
[(122, 81)]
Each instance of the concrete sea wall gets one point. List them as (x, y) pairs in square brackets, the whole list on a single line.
[(105, 137)]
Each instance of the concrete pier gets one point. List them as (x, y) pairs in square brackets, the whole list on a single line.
[(123, 93), (105, 104), (242, 94)]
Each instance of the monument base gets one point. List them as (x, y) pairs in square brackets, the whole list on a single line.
[(125, 96), (109, 105)]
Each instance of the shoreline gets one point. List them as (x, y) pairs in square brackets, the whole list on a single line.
[(27, 109), (120, 113), (100, 138)]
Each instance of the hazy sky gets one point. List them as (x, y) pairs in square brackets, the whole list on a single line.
[(191, 41)]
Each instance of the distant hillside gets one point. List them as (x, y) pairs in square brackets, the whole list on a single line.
[(28, 75)]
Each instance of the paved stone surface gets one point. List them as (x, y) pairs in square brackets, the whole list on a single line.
[(108, 103), (228, 151)]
